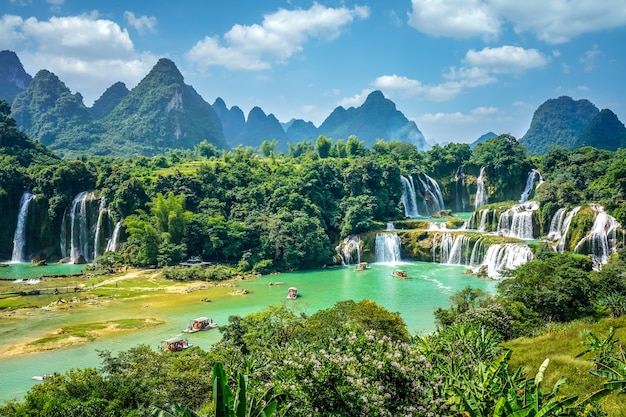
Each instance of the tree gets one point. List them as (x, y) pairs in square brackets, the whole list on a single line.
[(323, 145), (558, 287)]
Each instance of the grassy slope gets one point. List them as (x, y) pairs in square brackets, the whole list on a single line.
[(561, 346)]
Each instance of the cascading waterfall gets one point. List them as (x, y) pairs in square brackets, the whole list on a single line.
[(409, 197), (453, 250), (460, 200), (601, 241), (481, 192), (79, 244), (533, 176), (347, 250), (432, 193), (19, 238), (112, 243), (556, 224), (505, 256), (517, 221), (478, 253), (563, 228), (390, 226), (102, 210), (387, 247)]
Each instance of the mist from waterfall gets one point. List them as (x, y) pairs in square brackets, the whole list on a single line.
[(19, 237)]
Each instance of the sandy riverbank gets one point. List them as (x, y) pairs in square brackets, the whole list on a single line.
[(144, 284)]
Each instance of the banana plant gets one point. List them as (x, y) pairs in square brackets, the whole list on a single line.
[(614, 371), (228, 404), (176, 411)]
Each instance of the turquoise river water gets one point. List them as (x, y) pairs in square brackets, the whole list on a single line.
[(429, 286)]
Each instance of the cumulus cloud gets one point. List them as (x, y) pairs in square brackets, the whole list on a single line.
[(142, 24), (281, 34), (455, 18), (553, 21), (458, 80), (506, 59), (356, 100), (88, 53)]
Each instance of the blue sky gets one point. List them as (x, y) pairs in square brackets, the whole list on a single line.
[(458, 68)]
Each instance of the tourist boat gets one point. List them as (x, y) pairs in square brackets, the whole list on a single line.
[(40, 377), (201, 323), (175, 344), (400, 273), (362, 266), (292, 293)]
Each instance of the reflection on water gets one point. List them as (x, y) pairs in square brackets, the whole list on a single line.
[(429, 287)]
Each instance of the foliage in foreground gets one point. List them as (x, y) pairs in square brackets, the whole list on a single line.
[(288, 368)]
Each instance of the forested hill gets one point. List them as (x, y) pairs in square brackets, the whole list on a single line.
[(570, 124)]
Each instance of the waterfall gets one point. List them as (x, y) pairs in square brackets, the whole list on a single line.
[(601, 241), (432, 193), (478, 253), (453, 250), (97, 239), (346, 250), (505, 256), (563, 229), (481, 193), (409, 198), (19, 238), (517, 221), (460, 200), (390, 226), (387, 247), (112, 243), (533, 176), (556, 223)]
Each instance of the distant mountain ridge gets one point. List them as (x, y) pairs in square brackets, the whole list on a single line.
[(163, 113), (13, 79), (570, 124)]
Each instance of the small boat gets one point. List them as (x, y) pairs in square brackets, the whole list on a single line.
[(400, 273), (292, 293), (362, 266), (40, 377), (201, 323), (175, 344)]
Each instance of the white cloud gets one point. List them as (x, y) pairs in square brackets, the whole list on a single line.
[(454, 18), (458, 80), (588, 60), (86, 52), (356, 100), (282, 34), (141, 24), (553, 21), (456, 117), (506, 59)]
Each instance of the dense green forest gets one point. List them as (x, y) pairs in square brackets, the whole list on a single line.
[(261, 211)]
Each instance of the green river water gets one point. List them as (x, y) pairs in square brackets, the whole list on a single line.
[(429, 286)]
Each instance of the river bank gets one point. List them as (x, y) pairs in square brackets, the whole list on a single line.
[(36, 302)]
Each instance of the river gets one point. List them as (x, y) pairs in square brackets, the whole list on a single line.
[(429, 286)]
